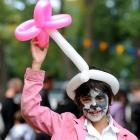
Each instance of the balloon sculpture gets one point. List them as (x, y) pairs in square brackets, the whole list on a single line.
[(44, 25)]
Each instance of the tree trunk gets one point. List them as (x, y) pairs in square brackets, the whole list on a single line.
[(88, 28), (137, 44), (3, 72), (138, 68), (66, 60)]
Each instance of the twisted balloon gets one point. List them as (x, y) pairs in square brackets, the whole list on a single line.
[(44, 25)]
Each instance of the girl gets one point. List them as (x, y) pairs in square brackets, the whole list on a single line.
[(93, 98)]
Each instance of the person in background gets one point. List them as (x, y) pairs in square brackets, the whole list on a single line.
[(117, 108), (67, 105), (133, 110), (92, 97), (47, 86), (11, 103), (20, 130), (1, 122)]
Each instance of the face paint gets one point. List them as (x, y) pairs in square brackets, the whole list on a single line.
[(95, 105)]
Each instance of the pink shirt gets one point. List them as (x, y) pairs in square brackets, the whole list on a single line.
[(63, 126)]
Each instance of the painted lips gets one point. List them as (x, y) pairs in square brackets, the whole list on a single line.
[(95, 112)]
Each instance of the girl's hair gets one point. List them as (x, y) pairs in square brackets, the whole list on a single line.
[(84, 89), (18, 117)]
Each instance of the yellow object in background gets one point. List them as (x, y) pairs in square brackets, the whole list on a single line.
[(87, 43), (120, 49), (103, 46)]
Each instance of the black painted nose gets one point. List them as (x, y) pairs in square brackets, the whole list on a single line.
[(93, 107)]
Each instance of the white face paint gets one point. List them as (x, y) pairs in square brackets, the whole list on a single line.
[(95, 105)]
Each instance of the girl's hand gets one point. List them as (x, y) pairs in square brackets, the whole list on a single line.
[(38, 54)]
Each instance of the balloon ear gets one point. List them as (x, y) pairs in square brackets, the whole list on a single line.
[(42, 12), (27, 31)]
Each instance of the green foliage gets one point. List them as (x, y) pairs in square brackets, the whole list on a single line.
[(114, 24), (111, 23), (130, 24)]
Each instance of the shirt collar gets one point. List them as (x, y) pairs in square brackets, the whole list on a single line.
[(114, 129), (91, 130), (111, 125)]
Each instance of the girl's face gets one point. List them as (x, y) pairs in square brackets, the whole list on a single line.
[(95, 105)]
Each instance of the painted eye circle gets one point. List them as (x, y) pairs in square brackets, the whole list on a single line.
[(86, 99), (100, 98)]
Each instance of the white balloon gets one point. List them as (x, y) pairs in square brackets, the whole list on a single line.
[(98, 75), (68, 50), (85, 74)]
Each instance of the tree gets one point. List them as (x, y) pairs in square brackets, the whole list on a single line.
[(105, 20), (3, 66), (129, 28)]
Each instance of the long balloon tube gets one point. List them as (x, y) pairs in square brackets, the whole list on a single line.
[(68, 50)]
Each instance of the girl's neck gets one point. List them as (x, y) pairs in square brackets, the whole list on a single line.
[(100, 125)]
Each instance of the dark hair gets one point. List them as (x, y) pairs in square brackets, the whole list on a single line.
[(48, 78), (84, 89), (18, 117)]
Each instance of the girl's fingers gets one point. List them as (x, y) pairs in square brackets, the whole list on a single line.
[(45, 49), (34, 42)]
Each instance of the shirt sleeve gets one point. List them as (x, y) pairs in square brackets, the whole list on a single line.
[(40, 117)]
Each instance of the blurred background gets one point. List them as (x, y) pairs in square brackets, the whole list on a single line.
[(106, 33)]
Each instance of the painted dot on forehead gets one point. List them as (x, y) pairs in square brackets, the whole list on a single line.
[(94, 93)]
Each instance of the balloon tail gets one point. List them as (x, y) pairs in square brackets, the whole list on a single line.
[(69, 50)]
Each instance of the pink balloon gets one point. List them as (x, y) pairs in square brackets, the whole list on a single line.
[(43, 21), (42, 12), (57, 20), (43, 38), (27, 30)]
